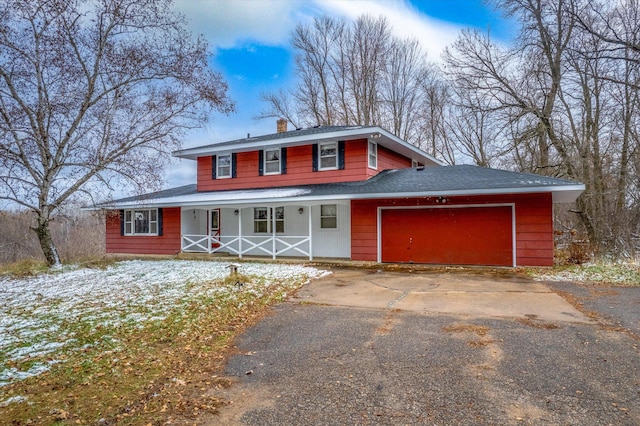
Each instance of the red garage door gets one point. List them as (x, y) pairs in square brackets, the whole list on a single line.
[(448, 236)]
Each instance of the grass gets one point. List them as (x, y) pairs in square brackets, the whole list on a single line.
[(24, 268), (599, 273), (133, 372)]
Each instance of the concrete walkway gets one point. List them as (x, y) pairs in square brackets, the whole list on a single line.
[(455, 293)]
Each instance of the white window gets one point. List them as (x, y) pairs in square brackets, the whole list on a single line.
[(272, 161), (328, 216), (328, 155), (223, 166), (141, 222), (373, 155), (414, 163), (263, 220)]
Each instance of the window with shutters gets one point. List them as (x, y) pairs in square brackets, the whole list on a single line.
[(141, 222), (223, 166), (272, 161), (328, 156)]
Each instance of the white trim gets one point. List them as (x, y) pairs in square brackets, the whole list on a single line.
[(271, 244), (230, 175), (565, 193), (451, 206), (335, 228), (336, 155), (375, 154), (239, 232), (264, 161), (271, 220), (132, 222), (310, 221)]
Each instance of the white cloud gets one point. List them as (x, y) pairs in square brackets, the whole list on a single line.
[(230, 23), (234, 23), (406, 21)]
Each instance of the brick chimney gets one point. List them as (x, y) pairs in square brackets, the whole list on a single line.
[(282, 125)]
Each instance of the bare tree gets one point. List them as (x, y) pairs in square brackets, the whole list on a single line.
[(474, 130), (401, 89), (89, 91), (434, 115), (356, 73), (567, 105), (615, 23)]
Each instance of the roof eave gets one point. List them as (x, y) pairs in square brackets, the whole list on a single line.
[(387, 139), (560, 194)]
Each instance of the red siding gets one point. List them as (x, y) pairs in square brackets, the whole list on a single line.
[(388, 159), (534, 224), (299, 168), (167, 243)]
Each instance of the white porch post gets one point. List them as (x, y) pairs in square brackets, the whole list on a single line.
[(209, 235), (310, 233), (182, 228), (240, 233), (273, 232)]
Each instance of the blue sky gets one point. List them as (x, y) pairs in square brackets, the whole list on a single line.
[(250, 44)]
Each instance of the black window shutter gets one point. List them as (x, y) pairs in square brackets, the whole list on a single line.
[(213, 167), (234, 162), (341, 155), (121, 223), (283, 161), (314, 157), (261, 162), (160, 222)]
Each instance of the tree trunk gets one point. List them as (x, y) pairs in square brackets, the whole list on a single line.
[(46, 242)]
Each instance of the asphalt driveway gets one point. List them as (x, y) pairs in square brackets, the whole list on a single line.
[(368, 347)]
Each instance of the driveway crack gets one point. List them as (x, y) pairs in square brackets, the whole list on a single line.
[(397, 299)]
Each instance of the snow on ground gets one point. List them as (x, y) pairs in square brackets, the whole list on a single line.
[(38, 314), (618, 274)]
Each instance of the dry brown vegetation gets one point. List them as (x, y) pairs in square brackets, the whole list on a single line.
[(165, 370), (79, 235)]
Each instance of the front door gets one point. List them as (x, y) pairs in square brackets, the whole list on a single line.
[(214, 227)]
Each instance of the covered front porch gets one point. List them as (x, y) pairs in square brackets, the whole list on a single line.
[(271, 230)]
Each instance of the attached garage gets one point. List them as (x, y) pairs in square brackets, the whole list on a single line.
[(452, 235)]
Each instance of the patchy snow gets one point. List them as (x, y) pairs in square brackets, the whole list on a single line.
[(13, 400), (617, 274), (38, 314)]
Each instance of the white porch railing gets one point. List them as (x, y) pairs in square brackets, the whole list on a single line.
[(280, 245)]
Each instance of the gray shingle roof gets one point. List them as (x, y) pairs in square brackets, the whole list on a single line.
[(316, 130), (427, 181), (167, 193)]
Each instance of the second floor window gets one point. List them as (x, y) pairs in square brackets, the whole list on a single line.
[(373, 155), (224, 166), (272, 161), (328, 155)]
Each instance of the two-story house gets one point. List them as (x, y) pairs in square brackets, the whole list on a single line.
[(349, 192)]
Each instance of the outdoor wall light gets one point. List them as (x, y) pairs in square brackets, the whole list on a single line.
[(301, 210), (236, 212), (441, 200)]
